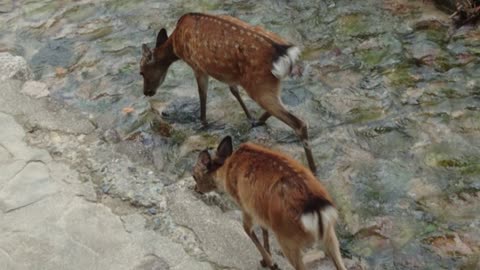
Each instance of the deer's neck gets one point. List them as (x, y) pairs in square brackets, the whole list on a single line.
[(221, 177), (166, 52)]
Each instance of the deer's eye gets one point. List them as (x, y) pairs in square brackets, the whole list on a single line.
[(141, 73)]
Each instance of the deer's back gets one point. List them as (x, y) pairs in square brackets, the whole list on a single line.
[(272, 187), (226, 48)]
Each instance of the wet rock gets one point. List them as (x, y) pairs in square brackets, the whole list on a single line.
[(35, 89), (294, 95), (184, 110), (56, 53), (95, 29), (14, 67), (412, 96)]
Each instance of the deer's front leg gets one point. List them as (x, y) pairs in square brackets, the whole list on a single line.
[(202, 82)]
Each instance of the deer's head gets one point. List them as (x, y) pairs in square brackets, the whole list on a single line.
[(154, 63), (206, 166)]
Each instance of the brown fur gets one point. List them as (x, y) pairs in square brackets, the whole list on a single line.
[(227, 49), (230, 51), (273, 191)]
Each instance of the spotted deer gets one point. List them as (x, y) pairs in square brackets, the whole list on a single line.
[(275, 192), (232, 52)]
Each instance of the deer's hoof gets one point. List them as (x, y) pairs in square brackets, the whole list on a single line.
[(264, 264), (256, 123), (274, 267)]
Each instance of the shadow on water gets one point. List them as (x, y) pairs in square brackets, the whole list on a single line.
[(390, 92)]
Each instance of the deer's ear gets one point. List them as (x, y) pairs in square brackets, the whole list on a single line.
[(224, 150), (161, 37), (204, 158), (146, 52)]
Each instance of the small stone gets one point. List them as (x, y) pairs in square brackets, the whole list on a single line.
[(35, 89), (105, 188), (111, 136), (152, 211)]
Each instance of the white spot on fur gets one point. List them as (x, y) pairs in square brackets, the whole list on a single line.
[(283, 66)]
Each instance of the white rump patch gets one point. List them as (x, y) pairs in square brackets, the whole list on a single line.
[(310, 222), (284, 63)]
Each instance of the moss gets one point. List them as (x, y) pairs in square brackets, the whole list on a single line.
[(352, 24), (471, 169), (310, 53), (178, 136), (360, 114), (372, 57), (401, 76), (444, 63), (210, 140), (430, 228), (468, 165), (436, 35), (128, 68)]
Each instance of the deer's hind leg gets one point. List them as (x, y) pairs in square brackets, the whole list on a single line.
[(332, 247), (236, 94), (293, 251), (266, 257), (270, 101), (202, 83)]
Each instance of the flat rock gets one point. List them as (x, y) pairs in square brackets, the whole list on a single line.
[(30, 185), (152, 262), (35, 89), (223, 240), (12, 144), (40, 113)]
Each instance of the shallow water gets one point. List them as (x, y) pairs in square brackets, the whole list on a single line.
[(390, 92)]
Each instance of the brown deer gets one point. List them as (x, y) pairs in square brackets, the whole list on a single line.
[(275, 192), (232, 52)]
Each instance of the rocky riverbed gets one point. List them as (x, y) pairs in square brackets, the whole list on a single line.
[(100, 174)]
